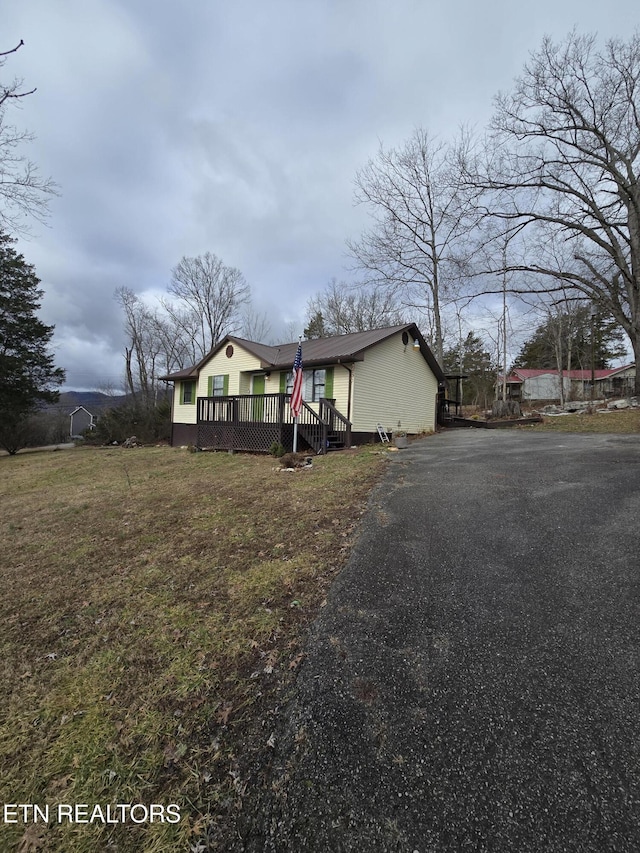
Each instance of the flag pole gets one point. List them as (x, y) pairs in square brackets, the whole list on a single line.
[(297, 385)]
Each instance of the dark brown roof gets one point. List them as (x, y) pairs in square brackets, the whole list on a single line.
[(334, 350)]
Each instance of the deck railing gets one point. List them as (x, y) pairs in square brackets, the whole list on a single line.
[(254, 422), (338, 427), (243, 408)]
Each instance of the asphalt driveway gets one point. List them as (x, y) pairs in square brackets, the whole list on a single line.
[(474, 680)]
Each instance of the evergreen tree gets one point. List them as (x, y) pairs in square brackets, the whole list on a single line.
[(472, 359), (316, 327), (27, 373), (568, 334)]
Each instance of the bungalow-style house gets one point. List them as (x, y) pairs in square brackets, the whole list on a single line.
[(539, 384), (237, 397), (80, 420)]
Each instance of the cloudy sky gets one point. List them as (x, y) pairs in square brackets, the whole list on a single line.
[(177, 128)]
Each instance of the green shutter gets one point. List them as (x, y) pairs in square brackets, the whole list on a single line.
[(283, 382), (328, 383), (225, 385), (210, 386)]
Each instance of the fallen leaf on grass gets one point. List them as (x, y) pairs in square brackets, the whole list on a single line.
[(34, 839), (224, 713), (174, 752)]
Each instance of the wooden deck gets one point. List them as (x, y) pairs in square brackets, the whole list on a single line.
[(255, 422)]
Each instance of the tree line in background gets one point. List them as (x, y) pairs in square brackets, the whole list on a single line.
[(546, 205), (543, 211)]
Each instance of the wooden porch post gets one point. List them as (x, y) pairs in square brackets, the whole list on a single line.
[(281, 405)]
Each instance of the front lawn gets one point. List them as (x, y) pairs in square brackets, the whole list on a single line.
[(153, 606)]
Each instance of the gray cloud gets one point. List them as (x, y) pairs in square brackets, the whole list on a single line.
[(237, 128)]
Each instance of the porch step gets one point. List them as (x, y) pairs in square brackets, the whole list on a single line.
[(334, 442)]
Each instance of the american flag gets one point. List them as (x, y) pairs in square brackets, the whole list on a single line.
[(296, 393)]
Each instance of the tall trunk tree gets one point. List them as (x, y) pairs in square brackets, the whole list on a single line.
[(28, 377), (564, 169), (420, 217)]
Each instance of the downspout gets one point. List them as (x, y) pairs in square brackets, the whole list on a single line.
[(350, 372), (172, 385)]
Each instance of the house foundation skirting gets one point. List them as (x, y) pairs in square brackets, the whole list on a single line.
[(243, 437), (184, 434), (249, 438)]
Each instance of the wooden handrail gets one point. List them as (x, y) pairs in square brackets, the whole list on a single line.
[(327, 404), (238, 409)]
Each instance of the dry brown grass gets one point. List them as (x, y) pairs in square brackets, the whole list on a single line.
[(612, 421), (153, 602)]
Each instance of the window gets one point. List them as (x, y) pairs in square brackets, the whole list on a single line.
[(288, 384), (188, 392), (217, 386), (313, 385)]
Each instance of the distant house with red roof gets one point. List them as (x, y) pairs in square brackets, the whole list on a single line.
[(544, 384)]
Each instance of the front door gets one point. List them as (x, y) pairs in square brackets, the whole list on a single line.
[(257, 405)]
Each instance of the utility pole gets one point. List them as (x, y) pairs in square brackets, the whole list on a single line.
[(594, 312)]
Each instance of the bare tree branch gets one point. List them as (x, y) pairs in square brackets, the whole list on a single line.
[(563, 165), (210, 298), (23, 192), (341, 309)]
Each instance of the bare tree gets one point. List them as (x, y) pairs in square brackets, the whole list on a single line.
[(210, 298), (420, 219), (22, 191), (345, 309), (255, 326), (152, 349), (564, 169), (290, 331)]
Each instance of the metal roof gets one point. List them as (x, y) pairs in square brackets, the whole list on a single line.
[(520, 374), (334, 350)]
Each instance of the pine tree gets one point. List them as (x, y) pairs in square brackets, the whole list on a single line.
[(472, 359), (569, 334), (27, 373), (316, 327)]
